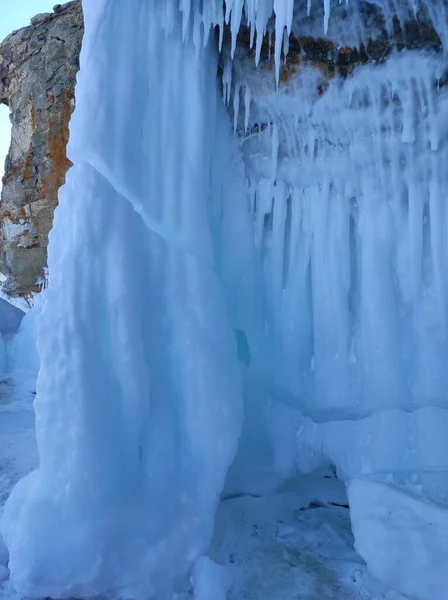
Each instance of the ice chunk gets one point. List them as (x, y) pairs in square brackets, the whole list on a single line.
[(402, 538)]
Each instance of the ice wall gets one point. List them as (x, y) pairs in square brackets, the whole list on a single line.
[(347, 191), (138, 404)]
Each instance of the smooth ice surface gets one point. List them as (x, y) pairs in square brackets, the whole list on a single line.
[(385, 520)]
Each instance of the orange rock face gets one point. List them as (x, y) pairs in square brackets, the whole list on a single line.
[(38, 67)]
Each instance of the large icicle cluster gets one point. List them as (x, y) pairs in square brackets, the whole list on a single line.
[(346, 190), (307, 18), (347, 187)]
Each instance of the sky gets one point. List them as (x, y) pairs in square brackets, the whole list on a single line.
[(13, 15)]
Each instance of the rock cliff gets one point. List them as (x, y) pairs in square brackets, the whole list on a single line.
[(38, 66)]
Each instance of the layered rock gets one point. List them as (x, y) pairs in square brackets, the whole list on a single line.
[(38, 66)]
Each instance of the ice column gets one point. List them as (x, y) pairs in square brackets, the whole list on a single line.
[(139, 399)]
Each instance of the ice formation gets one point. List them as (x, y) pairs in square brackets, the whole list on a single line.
[(295, 265), (133, 326)]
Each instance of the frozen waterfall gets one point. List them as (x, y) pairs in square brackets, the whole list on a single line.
[(243, 286), (139, 394)]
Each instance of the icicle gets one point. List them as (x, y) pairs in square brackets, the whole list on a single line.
[(415, 233), (264, 207), (221, 37), (285, 44), (247, 102), (326, 15), (258, 45), (227, 81), (283, 19), (278, 49), (278, 243), (437, 219), (252, 197), (408, 100), (264, 11), (197, 27), (229, 6), (275, 148), (237, 13), (186, 8), (169, 16), (236, 106)]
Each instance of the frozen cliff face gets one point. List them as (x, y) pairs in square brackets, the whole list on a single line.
[(38, 66), (296, 268), (345, 165)]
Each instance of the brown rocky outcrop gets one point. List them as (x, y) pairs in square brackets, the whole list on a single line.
[(38, 66)]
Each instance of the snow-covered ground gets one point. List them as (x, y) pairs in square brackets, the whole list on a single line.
[(293, 544)]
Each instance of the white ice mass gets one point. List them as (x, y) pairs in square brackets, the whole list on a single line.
[(246, 284)]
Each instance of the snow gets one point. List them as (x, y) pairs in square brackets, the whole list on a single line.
[(295, 543)]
